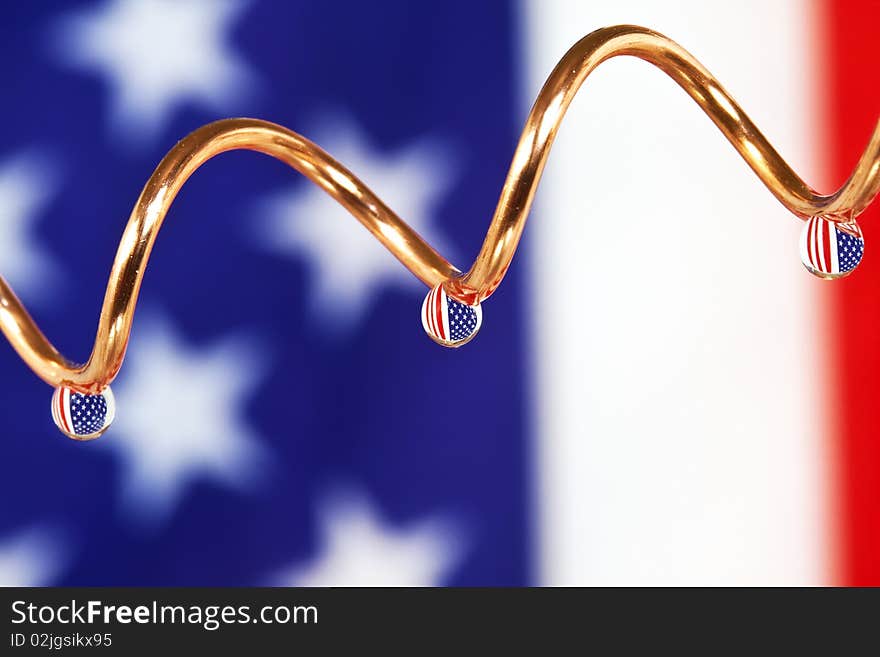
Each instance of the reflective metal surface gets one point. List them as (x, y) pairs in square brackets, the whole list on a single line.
[(417, 255)]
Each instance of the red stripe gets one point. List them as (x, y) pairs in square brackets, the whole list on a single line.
[(851, 51), (430, 311), (827, 229), (811, 243), (62, 392), (65, 409), (810, 240), (814, 232), (439, 314)]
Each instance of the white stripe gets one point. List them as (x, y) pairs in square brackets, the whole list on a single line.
[(432, 314), (821, 230), (814, 240), (478, 310), (805, 241), (678, 412), (58, 408), (53, 405), (444, 313), (65, 407), (438, 300), (835, 262), (425, 322), (814, 257), (111, 406)]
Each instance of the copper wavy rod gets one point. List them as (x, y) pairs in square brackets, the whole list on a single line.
[(414, 252)]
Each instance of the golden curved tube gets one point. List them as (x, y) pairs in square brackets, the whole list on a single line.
[(543, 122), (417, 255)]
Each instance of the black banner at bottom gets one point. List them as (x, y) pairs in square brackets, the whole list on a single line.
[(132, 621)]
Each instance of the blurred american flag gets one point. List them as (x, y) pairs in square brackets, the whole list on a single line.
[(281, 417)]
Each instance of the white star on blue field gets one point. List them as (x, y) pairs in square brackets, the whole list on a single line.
[(157, 55), (183, 419), (356, 548), (277, 347), (31, 557), (348, 268), (28, 182)]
